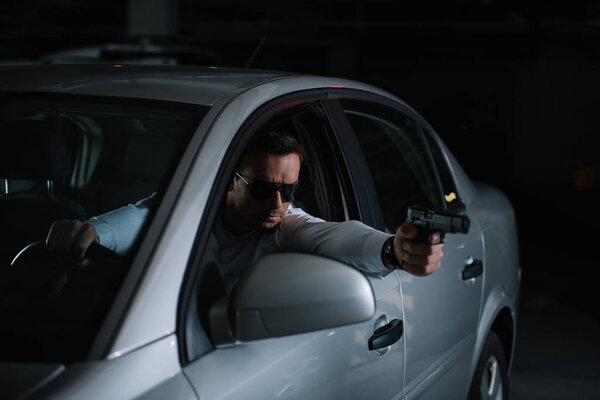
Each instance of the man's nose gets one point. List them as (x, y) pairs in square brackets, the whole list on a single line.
[(277, 200)]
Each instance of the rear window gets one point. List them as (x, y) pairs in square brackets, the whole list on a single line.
[(72, 158)]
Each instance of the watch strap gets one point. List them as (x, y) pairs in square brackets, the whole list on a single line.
[(388, 255)]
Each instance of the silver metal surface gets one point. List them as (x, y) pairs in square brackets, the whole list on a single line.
[(331, 363), (290, 293), (152, 372), (194, 85), (442, 313)]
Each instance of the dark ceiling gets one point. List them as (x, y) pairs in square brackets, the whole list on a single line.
[(29, 29)]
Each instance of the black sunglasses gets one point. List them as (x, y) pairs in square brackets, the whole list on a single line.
[(263, 190)]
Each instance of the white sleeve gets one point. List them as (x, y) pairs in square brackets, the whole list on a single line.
[(118, 229), (351, 242)]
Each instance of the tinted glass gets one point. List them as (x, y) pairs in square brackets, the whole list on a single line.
[(397, 159), (71, 158)]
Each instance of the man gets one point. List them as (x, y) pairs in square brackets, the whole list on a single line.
[(257, 218)]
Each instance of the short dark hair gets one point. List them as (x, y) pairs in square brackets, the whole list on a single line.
[(279, 141)]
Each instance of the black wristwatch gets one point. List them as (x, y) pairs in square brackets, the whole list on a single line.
[(388, 255)]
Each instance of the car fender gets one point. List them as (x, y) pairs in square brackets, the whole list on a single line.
[(498, 299)]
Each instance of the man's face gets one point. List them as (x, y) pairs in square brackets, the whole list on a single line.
[(262, 215)]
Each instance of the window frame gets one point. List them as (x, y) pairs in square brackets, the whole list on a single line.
[(264, 114), (433, 141)]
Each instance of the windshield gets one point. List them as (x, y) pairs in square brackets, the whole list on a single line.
[(70, 158)]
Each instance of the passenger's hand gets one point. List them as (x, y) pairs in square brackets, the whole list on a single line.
[(70, 239), (419, 259)]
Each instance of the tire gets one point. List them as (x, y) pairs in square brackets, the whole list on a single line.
[(490, 381)]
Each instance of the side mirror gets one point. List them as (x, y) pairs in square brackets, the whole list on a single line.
[(290, 293)]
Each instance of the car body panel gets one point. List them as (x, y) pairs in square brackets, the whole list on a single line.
[(316, 365), (151, 372), (441, 316), (503, 273), (437, 360), (193, 85)]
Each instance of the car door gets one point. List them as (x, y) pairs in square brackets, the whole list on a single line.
[(441, 310), (326, 364)]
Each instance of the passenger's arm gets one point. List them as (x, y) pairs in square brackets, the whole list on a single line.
[(357, 244)]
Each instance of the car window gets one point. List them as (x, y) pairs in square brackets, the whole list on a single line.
[(319, 194), (397, 159), (71, 158)]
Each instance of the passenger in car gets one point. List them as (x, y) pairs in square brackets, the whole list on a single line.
[(257, 218)]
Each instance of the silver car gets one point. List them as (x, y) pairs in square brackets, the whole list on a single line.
[(151, 322)]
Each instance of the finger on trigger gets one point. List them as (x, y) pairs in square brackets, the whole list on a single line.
[(408, 231)]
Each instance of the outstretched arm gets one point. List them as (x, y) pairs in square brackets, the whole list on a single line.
[(357, 244)]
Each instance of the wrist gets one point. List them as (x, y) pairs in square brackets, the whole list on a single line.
[(388, 255)]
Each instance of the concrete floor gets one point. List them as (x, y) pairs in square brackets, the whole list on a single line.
[(557, 351)]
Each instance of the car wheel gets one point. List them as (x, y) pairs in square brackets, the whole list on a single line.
[(490, 381)]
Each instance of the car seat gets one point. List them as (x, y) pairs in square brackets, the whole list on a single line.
[(37, 164)]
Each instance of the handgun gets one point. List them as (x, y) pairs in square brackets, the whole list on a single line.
[(430, 221)]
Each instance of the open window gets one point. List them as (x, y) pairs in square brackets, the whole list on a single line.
[(319, 194)]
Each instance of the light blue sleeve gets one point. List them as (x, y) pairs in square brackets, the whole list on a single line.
[(118, 229), (350, 242)]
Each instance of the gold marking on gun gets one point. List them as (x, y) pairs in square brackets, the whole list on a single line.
[(450, 197)]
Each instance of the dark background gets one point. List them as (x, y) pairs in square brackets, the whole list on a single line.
[(510, 86)]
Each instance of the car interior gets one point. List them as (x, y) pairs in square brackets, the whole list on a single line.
[(72, 157), (35, 177), (65, 159)]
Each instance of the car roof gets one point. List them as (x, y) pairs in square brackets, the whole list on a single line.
[(186, 84)]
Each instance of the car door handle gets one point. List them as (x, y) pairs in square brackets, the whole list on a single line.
[(386, 335), (472, 270)]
